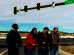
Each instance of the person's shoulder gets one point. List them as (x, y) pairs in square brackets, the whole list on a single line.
[(58, 33), (49, 34), (28, 34), (10, 31), (40, 33), (52, 32)]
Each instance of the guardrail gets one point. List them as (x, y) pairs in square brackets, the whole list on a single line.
[(5, 38), (63, 42)]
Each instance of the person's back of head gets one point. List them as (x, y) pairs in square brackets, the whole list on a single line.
[(15, 26)]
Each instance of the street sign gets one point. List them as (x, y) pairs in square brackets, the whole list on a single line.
[(69, 1)]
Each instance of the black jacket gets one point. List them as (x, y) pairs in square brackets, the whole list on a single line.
[(13, 38), (44, 38)]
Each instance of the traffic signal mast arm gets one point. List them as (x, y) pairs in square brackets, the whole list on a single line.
[(38, 7)]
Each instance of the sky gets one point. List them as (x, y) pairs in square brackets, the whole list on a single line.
[(58, 16)]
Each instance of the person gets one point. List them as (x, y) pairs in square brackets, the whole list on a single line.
[(31, 42), (54, 42), (13, 38), (43, 42)]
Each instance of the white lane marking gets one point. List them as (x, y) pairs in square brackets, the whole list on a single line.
[(2, 53)]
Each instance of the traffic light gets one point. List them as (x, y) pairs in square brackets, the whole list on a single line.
[(38, 6), (25, 8), (15, 10)]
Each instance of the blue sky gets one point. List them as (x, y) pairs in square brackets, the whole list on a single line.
[(58, 16)]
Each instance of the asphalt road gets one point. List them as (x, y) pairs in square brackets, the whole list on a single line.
[(3, 51)]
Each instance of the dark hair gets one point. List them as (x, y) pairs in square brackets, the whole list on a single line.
[(15, 26), (46, 28), (33, 30), (55, 28)]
